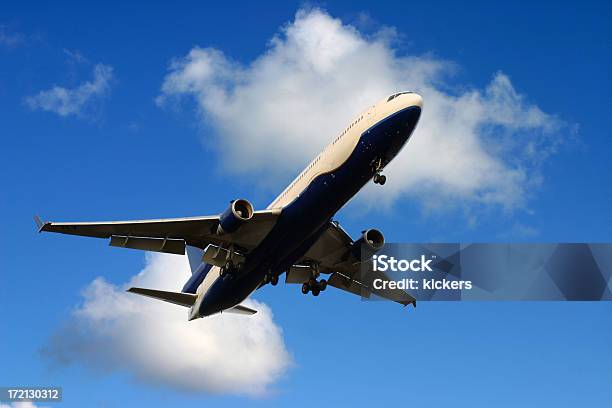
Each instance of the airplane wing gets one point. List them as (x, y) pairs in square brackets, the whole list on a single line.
[(333, 252), (171, 234)]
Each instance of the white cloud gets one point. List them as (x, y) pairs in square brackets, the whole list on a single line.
[(20, 404), (272, 115), (66, 102), (115, 330)]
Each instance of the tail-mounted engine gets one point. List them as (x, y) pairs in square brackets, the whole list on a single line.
[(370, 242), (238, 212)]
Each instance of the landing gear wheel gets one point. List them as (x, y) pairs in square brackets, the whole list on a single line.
[(322, 284), (305, 288), (274, 280), (228, 267), (315, 291), (380, 179)]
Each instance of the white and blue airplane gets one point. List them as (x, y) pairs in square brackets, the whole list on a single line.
[(233, 254)]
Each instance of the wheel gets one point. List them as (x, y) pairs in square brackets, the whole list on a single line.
[(227, 268), (322, 284), (382, 180), (305, 288), (222, 272), (274, 280), (376, 178), (316, 291)]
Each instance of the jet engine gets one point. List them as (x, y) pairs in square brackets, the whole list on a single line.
[(238, 212), (371, 241)]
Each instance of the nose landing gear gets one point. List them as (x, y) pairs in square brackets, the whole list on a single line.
[(379, 178)]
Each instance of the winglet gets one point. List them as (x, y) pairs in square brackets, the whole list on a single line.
[(39, 223), (413, 303)]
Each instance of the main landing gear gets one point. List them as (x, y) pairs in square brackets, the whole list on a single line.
[(378, 177), (230, 269), (314, 286), (271, 278)]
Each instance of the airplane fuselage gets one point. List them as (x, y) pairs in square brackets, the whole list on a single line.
[(307, 205)]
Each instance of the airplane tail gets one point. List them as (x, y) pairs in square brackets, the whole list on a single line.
[(195, 255), (188, 297), (185, 299), (199, 268)]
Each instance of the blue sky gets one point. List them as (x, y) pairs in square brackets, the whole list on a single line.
[(119, 154)]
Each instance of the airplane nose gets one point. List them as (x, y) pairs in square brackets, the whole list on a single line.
[(417, 100)]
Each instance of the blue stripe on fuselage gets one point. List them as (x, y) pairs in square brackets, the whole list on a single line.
[(303, 220)]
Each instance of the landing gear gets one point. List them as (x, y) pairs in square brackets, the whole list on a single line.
[(227, 268), (322, 284), (314, 286), (378, 177), (271, 278), (230, 269)]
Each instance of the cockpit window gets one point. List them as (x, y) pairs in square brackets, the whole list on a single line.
[(396, 95)]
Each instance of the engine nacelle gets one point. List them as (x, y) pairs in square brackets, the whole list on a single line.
[(371, 242), (238, 212)]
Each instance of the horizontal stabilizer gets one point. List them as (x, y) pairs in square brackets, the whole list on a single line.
[(178, 298), (239, 309)]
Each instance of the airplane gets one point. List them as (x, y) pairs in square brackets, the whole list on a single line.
[(233, 254)]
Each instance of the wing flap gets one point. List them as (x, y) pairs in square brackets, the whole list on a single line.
[(215, 255), (343, 282), (298, 274), (167, 245)]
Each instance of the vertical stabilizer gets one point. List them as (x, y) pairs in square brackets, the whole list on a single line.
[(194, 255)]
